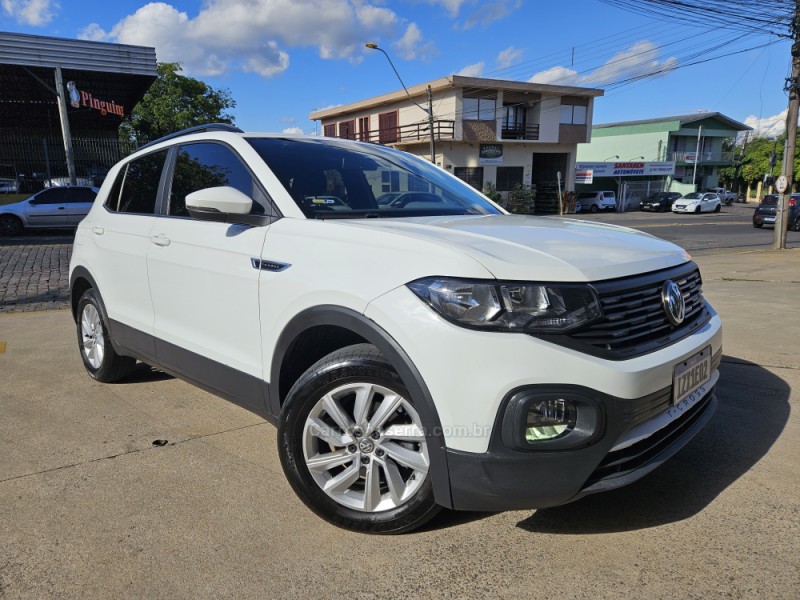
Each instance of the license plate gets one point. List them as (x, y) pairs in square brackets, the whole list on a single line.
[(690, 374), (769, 219)]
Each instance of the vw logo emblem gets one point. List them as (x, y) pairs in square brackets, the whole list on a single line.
[(672, 301)]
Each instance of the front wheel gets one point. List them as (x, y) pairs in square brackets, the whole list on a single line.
[(718, 208), (698, 210), (353, 446), (594, 208), (10, 225)]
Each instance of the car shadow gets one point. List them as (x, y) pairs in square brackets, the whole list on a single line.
[(144, 373), (753, 411)]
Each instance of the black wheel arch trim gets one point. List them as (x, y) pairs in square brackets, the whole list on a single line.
[(357, 323)]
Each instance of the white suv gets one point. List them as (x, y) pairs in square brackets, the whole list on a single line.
[(433, 353)]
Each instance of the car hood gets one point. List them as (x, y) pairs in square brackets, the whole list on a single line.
[(540, 248)]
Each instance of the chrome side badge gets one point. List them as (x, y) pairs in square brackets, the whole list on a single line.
[(673, 303), (268, 265)]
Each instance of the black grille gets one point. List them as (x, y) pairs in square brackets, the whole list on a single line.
[(634, 321), (633, 457)]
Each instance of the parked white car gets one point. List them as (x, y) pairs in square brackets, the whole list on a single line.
[(596, 201), (437, 353), (697, 202), (51, 208)]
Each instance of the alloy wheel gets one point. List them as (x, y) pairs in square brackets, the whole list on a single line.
[(365, 447), (93, 341)]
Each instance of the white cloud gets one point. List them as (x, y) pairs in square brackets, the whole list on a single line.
[(489, 12), (556, 76), (294, 131), (768, 126), (412, 44), (641, 59), (30, 12), (253, 35), (508, 57), (474, 70), (452, 6)]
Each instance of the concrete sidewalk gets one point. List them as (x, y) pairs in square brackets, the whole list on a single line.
[(91, 508)]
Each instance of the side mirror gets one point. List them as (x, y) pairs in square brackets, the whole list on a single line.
[(222, 200)]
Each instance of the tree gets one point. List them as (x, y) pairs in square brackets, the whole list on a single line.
[(755, 161), (175, 102)]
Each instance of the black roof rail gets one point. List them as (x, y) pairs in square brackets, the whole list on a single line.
[(195, 129)]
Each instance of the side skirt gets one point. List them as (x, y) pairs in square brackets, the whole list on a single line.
[(242, 389)]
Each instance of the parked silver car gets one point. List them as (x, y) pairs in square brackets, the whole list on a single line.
[(52, 207)]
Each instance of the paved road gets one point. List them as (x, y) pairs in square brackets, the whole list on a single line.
[(33, 268), (90, 508)]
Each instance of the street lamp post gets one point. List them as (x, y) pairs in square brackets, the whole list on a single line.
[(614, 156), (428, 110)]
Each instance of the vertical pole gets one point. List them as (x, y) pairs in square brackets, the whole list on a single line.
[(65, 132), (697, 152), (47, 172), (781, 217), (430, 124)]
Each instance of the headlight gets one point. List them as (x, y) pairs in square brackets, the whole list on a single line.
[(499, 306)]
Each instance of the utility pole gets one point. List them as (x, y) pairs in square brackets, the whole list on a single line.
[(792, 84), (65, 132), (430, 123)]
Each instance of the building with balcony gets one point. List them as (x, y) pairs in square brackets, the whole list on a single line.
[(484, 130), (695, 143)]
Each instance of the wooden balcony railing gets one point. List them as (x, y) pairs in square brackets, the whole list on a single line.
[(442, 130), (520, 132)]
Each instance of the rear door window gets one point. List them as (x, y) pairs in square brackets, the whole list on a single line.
[(136, 187)]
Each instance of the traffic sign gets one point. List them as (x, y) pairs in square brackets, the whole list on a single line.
[(781, 184)]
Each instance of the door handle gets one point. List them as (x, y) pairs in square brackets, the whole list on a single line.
[(160, 240), (98, 230)]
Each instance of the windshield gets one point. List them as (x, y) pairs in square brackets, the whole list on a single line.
[(693, 196), (333, 179)]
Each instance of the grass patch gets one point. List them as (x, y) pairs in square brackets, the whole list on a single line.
[(11, 198)]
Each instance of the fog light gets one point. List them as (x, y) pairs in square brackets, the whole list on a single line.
[(550, 419)]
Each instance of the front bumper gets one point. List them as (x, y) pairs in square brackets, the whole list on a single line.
[(688, 208), (505, 479)]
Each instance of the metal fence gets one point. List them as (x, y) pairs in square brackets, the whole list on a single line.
[(37, 161), (633, 192)]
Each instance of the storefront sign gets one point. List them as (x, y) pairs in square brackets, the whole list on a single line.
[(79, 98), (491, 154), (626, 169), (585, 176)]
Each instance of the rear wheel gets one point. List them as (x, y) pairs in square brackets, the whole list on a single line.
[(10, 225), (98, 355), (718, 208), (594, 208), (758, 225), (698, 210), (354, 447)]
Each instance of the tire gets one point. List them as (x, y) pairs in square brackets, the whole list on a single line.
[(698, 210), (594, 208), (94, 342), (718, 208), (353, 404), (10, 225), (758, 225)]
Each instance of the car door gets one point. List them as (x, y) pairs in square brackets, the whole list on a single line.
[(48, 208), (79, 202), (121, 235), (203, 281)]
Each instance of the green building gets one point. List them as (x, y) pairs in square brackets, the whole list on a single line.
[(694, 143)]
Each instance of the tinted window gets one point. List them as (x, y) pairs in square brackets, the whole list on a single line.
[(136, 187), (75, 195), (205, 165), (51, 196)]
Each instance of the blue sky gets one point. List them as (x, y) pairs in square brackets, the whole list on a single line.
[(282, 59)]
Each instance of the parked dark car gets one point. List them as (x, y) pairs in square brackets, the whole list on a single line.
[(659, 202), (766, 209)]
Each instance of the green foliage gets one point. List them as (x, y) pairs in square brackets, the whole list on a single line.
[(490, 191), (175, 102), (521, 199), (754, 163)]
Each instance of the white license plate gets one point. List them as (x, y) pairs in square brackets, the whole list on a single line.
[(769, 219), (690, 374)]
